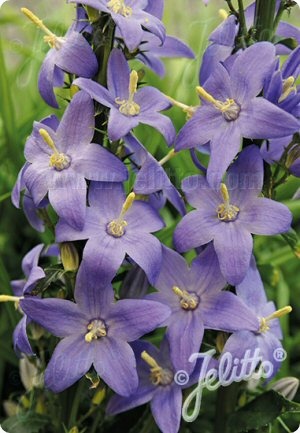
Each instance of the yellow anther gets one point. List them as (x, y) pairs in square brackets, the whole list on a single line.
[(287, 88), (226, 211), (127, 106), (265, 321), (223, 14), (230, 109), (116, 228), (53, 40), (119, 7), (167, 158), (188, 301), (96, 330)]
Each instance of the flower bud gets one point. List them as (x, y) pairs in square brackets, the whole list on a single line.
[(288, 387), (30, 375), (74, 430), (69, 256), (293, 155), (99, 397)]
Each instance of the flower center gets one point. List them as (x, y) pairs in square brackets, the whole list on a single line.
[(116, 227), (188, 300), (229, 109), (59, 161), (288, 86), (96, 329), (127, 106), (227, 212), (265, 321), (158, 375), (119, 7), (50, 38)]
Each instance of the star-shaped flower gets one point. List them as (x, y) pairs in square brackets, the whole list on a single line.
[(130, 17), (70, 53), (60, 161), (231, 110), (268, 335), (116, 226), (129, 105), (195, 297), (229, 216), (95, 331)]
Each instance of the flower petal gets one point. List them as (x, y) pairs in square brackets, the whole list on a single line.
[(262, 119), (115, 363), (166, 408), (67, 195), (118, 74), (266, 217), (233, 245), (60, 317), (97, 92), (70, 361), (120, 125)]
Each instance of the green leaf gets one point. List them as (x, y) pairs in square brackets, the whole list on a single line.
[(260, 412), (30, 422), (287, 42), (292, 238)]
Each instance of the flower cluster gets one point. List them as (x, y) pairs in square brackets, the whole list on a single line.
[(77, 168)]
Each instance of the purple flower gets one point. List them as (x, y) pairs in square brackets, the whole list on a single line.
[(70, 53), (230, 216), (151, 176), (156, 372), (115, 226), (94, 331), (33, 274), (280, 87), (273, 150), (231, 110), (128, 105), (197, 302), (61, 159), (130, 17), (151, 50), (268, 335)]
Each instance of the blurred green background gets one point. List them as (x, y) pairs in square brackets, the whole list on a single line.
[(21, 53)]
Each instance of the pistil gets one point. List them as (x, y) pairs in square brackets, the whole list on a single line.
[(59, 161), (158, 375), (188, 301), (127, 106), (116, 227), (50, 38), (226, 211), (265, 321), (229, 109)]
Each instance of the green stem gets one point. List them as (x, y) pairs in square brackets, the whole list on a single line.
[(232, 8), (76, 403), (264, 19), (226, 403), (278, 17), (242, 19)]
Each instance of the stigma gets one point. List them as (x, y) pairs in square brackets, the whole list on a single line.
[(129, 107), (229, 109), (116, 227), (226, 212), (188, 300), (50, 38), (265, 321), (96, 329), (288, 86), (158, 375), (59, 161), (119, 7)]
